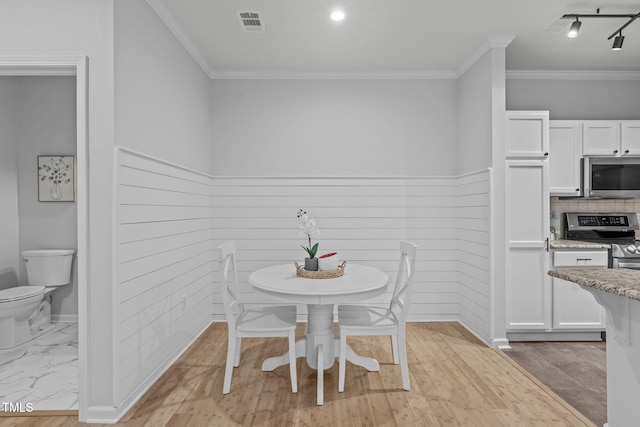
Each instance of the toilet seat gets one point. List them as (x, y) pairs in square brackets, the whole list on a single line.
[(20, 292)]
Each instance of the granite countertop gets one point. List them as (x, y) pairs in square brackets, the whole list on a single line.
[(620, 281), (577, 244)]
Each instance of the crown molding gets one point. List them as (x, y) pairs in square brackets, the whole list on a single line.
[(178, 32), (571, 75), (490, 43), (332, 75)]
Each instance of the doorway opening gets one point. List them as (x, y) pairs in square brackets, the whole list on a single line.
[(69, 66)]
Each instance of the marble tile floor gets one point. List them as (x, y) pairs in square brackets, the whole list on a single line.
[(47, 374)]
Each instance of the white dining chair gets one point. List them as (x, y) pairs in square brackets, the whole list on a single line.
[(370, 320), (242, 323)]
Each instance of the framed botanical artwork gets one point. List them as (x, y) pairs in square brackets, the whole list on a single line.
[(56, 178)]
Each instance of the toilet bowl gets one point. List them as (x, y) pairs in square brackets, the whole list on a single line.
[(16, 306), (25, 311)]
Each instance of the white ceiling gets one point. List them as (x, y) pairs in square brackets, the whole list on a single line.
[(397, 37)]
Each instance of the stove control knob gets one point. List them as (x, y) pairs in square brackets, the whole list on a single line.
[(632, 249)]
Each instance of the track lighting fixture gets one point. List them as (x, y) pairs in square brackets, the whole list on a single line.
[(617, 42), (575, 28), (619, 38)]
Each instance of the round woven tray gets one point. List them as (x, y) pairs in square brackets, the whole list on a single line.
[(329, 274)]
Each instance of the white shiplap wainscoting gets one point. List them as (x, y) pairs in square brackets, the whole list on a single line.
[(169, 219), (474, 252), (363, 219), (164, 263)]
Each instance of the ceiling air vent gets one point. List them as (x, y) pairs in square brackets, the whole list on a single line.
[(251, 21)]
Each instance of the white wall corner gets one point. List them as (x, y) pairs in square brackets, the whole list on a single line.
[(490, 43), (500, 41), (178, 32)]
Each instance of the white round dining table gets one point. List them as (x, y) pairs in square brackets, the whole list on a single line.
[(320, 346)]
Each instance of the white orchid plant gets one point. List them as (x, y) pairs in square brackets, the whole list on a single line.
[(308, 229)]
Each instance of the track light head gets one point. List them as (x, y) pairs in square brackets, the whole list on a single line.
[(619, 38), (574, 29), (617, 42)]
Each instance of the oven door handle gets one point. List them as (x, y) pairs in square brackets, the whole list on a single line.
[(633, 265)]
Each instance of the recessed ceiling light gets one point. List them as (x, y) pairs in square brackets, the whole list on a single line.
[(337, 15)]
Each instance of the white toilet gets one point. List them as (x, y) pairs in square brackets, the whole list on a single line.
[(25, 311)]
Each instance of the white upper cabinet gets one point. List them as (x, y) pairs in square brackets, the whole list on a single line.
[(601, 138), (611, 138), (527, 134), (630, 138), (565, 151)]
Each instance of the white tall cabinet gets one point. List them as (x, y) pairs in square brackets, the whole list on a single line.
[(528, 287)]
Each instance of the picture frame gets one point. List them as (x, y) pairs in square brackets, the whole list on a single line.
[(57, 178)]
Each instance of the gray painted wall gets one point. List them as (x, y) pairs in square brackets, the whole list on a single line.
[(577, 99), (334, 127), (163, 104), (9, 259), (45, 123), (474, 117)]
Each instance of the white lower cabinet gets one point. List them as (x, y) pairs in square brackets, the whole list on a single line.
[(543, 308), (573, 307)]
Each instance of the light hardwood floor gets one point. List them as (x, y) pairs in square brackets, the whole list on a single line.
[(455, 381)]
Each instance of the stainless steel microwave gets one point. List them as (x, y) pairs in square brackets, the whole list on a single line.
[(611, 177)]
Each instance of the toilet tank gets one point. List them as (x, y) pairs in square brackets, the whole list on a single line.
[(48, 267)]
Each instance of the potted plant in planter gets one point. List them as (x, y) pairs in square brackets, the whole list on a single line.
[(308, 228)]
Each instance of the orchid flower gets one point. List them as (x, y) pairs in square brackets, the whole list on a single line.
[(308, 228)]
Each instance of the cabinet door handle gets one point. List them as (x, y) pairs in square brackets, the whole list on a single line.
[(577, 189), (615, 151), (626, 151), (546, 244), (546, 154), (583, 259)]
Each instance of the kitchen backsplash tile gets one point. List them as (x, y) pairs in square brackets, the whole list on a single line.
[(559, 207)]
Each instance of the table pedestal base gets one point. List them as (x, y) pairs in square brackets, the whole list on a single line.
[(321, 347)]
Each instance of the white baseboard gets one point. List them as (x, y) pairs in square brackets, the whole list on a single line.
[(500, 343), (101, 415), (555, 336), (478, 334), (131, 398), (433, 318), (64, 318)]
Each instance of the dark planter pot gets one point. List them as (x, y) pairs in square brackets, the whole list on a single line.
[(311, 264)]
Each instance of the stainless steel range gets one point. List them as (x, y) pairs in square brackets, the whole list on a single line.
[(616, 229)]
